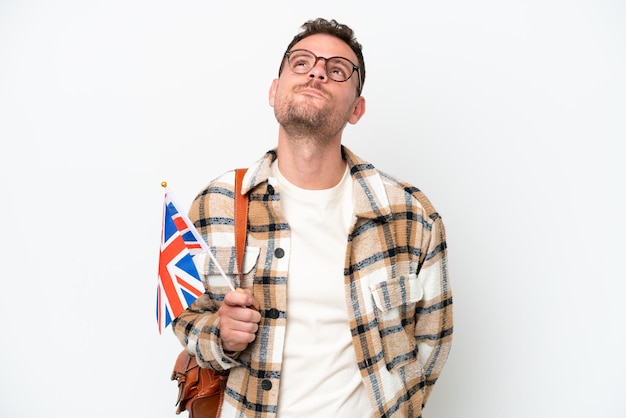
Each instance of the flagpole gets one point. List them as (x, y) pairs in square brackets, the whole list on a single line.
[(201, 240)]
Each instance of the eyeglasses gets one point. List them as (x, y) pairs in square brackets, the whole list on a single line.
[(339, 69)]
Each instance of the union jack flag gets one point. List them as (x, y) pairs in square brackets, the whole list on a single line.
[(179, 282)]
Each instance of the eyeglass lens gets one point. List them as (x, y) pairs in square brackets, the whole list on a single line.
[(338, 68)]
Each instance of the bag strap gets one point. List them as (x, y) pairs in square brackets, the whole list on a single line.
[(241, 219)]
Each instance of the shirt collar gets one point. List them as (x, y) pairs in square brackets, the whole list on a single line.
[(369, 196)]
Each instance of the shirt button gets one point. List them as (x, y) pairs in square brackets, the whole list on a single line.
[(270, 189), (279, 253), (266, 385), (273, 313)]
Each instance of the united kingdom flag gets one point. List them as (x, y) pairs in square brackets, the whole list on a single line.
[(179, 282)]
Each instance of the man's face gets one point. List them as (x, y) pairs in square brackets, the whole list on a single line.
[(311, 104)]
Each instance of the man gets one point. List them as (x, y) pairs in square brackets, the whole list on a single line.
[(344, 309)]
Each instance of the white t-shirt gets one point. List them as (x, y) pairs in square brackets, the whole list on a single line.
[(319, 376)]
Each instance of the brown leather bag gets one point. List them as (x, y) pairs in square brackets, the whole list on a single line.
[(200, 390)]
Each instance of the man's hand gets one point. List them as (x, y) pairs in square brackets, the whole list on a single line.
[(238, 323)]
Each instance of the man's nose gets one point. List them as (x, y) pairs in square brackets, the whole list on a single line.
[(319, 69)]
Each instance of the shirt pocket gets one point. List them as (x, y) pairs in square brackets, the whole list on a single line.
[(226, 258), (395, 300)]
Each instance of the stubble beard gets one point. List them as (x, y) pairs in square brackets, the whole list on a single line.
[(302, 120)]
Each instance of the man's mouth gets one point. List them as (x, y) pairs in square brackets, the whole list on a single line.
[(311, 89)]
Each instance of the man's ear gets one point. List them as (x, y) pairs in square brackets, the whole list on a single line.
[(358, 110), (272, 92)]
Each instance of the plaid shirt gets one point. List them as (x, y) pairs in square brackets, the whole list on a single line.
[(396, 287)]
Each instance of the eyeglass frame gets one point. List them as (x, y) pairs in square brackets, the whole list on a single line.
[(317, 58)]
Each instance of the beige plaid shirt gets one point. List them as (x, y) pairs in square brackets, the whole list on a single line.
[(396, 287)]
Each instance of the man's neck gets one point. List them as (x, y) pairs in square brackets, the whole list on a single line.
[(309, 164)]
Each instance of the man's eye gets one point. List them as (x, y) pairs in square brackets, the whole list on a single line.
[(338, 72), (339, 69), (299, 62)]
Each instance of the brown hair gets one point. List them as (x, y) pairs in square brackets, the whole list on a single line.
[(333, 28)]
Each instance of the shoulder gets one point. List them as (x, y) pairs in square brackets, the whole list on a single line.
[(223, 184), (399, 191), (384, 189), (214, 201)]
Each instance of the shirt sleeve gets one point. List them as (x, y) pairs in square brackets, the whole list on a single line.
[(197, 329), (433, 330)]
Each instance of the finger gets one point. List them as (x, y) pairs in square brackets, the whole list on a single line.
[(240, 314), (241, 297), (251, 302), (233, 340)]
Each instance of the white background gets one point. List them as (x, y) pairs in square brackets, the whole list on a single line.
[(509, 115)]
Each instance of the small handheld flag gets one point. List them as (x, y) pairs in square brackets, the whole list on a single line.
[(179, 283)]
